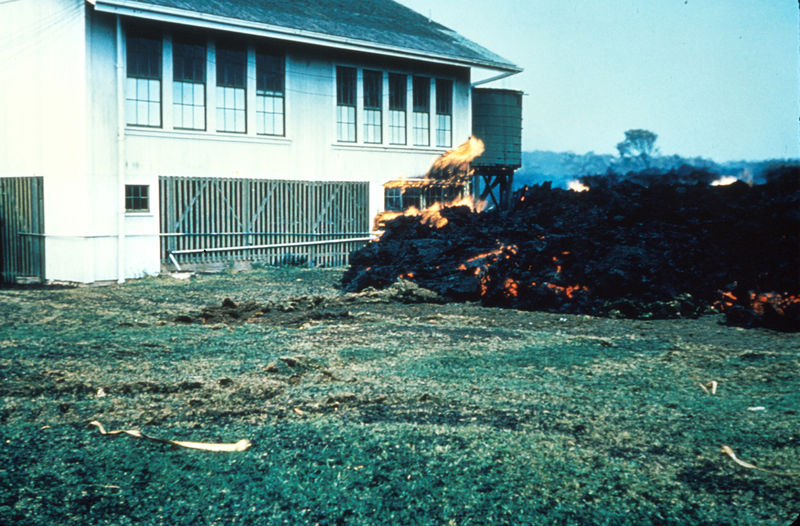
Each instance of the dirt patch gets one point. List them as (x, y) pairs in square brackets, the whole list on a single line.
[(299, 310)]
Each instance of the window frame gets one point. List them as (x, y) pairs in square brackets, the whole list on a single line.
[(372, 89), (231, 92), (444, 113), (346, 104), (140, 75), (270, 71), (421, 110), (398, 109), (134, 195), (197, 78)]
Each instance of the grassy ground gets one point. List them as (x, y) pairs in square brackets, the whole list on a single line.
[(375, 412)]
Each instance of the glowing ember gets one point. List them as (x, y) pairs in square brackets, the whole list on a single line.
[(779, 302), (725, 180), (577, 186), (511, 287)]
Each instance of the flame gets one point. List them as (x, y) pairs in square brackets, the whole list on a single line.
[(725, 180), (453, 166), (577, 186), (432, 215)]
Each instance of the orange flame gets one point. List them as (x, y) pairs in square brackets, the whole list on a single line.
[(453, 166), (432, 215)]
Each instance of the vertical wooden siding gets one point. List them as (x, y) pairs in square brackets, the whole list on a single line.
[(212, 213), (21, 228)]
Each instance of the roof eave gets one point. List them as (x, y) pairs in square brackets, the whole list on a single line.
[(133, 8)]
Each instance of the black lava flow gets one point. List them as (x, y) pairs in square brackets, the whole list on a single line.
[(623, 249)]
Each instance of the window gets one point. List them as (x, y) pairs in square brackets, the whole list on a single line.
[(444, 112), (270, 76), (137, 198), (398, 88), (412, 197), (422, 108), (143, 86), (189, 85), (231, 89), (393, 199), (345, 104), (373, 103)]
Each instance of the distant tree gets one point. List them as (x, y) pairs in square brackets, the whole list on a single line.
[(638, 144)]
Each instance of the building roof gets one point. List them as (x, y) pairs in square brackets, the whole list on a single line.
[(381, 26)]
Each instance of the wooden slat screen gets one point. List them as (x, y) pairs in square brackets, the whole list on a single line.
[(21, 228), (216, 213)]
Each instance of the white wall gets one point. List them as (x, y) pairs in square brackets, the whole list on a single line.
[(43, 121)]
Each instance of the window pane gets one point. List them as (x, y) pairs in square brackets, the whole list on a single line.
[(398, 86), (422, 94), (143, 55), (421, 130), (141, 113), (154, 89), (373, 89), (444, 96), (345, 86), (270, 72), (155, 114), (231, 67), (200, 118), (189, 60), (397, 126)]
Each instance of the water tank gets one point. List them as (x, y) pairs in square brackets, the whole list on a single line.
[(497, 121)]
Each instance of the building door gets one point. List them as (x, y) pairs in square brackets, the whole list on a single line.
[(21, 229)]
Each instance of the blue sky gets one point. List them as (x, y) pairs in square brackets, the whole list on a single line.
[(713, 78)]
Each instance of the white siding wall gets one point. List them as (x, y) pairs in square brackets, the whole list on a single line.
[(47, 128), (43, 122)]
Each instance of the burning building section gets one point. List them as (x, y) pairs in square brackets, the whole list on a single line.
[(625, 249), (447, 183)]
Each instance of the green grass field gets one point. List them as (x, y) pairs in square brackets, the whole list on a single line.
[(379, 412)]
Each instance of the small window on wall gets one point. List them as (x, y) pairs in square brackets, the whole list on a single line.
[(345, 104), (143, 85), (444, 113), (137, 198)]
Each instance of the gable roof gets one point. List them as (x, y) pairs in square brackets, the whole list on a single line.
[(381, 26)]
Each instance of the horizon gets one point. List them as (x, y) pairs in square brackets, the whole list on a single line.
[(714, 79)]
